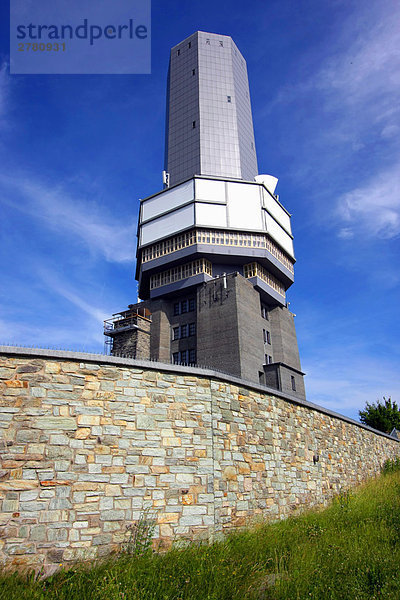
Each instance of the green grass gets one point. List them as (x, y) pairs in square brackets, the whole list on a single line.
[(349, 551)]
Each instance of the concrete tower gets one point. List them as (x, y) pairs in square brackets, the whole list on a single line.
[(209, 122), (215, 247)]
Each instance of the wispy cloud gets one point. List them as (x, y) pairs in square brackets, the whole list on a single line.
[(361, 81), (372, 208), (60, 210), (345, 383), (346, 102), (48, 334), (55, 284)]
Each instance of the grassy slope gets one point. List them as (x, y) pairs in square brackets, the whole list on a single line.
[(349, 551)]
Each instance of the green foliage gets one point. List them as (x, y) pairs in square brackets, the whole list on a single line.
[(140, 535), (350, 550), (382, 415), (391, 466)]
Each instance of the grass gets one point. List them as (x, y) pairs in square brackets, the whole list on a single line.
[(350, 550)]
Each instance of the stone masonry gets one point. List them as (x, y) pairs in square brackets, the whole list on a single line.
[(88, 442)]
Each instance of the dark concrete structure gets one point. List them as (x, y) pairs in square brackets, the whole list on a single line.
[(215, 249)]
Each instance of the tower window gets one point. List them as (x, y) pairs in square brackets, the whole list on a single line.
[(175, 333), (267, 336), (178, 52), (184, 331), (229, 98), (192, 328), (193, 124), (264, 312), (184, 306), (293, 383), (193, 71), (185, 357), (189, 44)]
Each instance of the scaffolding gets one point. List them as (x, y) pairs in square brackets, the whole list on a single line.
[(123, 321)]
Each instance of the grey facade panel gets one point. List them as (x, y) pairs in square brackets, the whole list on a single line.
[(209, 121)]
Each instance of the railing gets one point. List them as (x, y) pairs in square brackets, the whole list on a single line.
[(255, 270), (121, 321), (218, 238), (181, 272)]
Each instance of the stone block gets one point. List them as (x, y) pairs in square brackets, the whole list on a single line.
[(168, 518), (59, 440), (229, 474), (105, 538), (7, 373), (82, 433), (55, 423), (85, 420), (112, 515), (144, 421)]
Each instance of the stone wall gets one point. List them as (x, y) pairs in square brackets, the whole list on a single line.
[(88, 442)]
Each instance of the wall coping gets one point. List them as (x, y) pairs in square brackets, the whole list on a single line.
[(179, 369)]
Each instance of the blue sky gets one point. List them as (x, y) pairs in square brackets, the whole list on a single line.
[(78, 151)]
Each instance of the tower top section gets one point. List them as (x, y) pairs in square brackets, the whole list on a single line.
[(209, 122)]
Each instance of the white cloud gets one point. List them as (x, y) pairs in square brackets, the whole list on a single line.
[(372, 208), (345, 383), (53, 283), (352, 93), (59, 210), (361, 80), (49, 335)]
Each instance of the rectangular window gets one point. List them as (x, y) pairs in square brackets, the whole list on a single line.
[(265, 336), (176, 308), (293, 383), (193, 71), (193, 124), (192, 304), (266, 361), (221, 43), (175, 333), (192, 357), (268, 337), (229, 98), (184, 306), (208, 42), (178, 52), (184, 331), (192, 328), (175, 358), (184, 357), (189, 44), (270, 361), (264, 312)]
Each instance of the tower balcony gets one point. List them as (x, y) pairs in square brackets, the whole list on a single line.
[(265, 282), (126, 321), (185, 275)]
